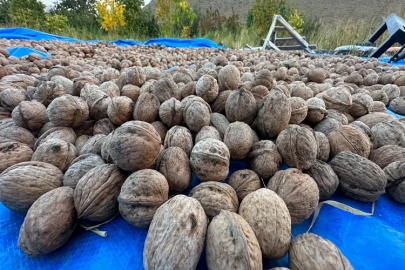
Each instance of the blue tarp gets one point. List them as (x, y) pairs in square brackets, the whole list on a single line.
[(373, 243), (24, 51), (29, 34)]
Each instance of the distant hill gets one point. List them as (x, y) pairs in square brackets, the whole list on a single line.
[(328, 11)]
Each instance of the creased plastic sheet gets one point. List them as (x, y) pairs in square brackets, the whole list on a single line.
[(29, 34), (24, 51)]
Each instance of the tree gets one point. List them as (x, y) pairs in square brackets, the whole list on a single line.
[(175, 17), (110, 14), (137, 19), (80, 13), (27, 13)]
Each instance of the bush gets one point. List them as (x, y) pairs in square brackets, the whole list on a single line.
[(175, 17), (56, 23), (264, 10)]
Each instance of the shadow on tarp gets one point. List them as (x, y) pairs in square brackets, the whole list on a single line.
[(29, 34)]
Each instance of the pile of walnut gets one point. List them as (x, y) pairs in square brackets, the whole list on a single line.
[(74, 124)]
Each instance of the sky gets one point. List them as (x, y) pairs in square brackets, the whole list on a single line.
[(50, 2)]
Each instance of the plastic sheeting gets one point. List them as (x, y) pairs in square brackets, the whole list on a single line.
[(29, 34), (373, 243), (24, 51)]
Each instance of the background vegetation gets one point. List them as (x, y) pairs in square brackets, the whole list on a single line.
[(126, 19)]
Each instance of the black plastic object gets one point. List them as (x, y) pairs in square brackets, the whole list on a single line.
[(398, 55), (396, 29)]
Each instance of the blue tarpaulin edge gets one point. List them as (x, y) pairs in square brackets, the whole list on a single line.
[(29, 34)]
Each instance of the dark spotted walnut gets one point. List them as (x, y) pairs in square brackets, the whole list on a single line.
[(12, 153), (244, 182)]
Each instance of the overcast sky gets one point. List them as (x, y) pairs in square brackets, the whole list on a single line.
[(50, 2)]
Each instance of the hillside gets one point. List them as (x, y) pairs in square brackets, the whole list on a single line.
[(329, 11)]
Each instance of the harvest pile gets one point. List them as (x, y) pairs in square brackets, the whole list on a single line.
[(74, 124)]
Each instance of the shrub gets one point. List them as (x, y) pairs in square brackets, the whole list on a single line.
[(56, 23)]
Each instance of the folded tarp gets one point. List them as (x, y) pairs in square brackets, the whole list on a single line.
[(24, 51), (29, 34)]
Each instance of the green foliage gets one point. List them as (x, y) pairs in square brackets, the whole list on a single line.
[(264, 10), (80, 13), (26, 13), (56, 23), (175, 17), (232, 24), (139, 22), (250, 19), (4, 16)]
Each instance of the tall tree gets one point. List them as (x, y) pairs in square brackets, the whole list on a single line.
[(80, 13), (27, 13)]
